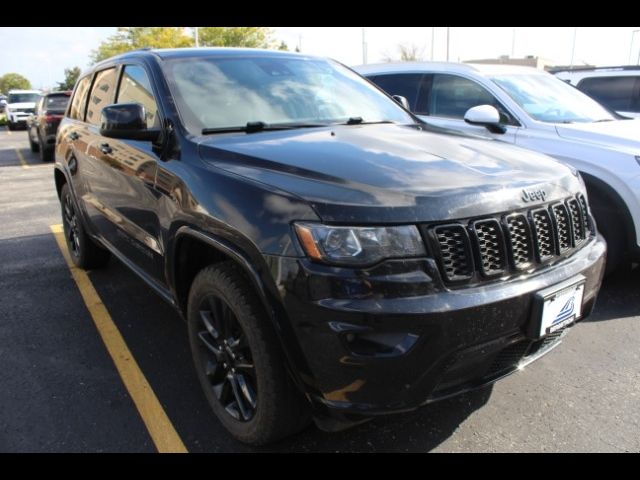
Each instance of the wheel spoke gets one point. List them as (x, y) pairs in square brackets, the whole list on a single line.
[(232, 409), (237, 393), (208, 321), (216, 309), (204, 338), (247, 390)]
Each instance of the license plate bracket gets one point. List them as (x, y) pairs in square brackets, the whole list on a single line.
[(557, 306)]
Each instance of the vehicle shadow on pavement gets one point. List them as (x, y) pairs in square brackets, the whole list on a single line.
[(619, 297)]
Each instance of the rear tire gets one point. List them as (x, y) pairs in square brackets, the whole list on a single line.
[(271, 407), (84, 252), (46, 153), (35, 146)]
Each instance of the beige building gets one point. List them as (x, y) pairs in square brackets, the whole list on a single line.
[(528, 61)]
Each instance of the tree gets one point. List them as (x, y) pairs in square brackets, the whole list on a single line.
[(132, 38), (408, 53), (283, 46), (10, 81), (70, 78), (250, 37)]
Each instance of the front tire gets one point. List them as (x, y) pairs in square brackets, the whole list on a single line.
[(238, 359), (83, 250)]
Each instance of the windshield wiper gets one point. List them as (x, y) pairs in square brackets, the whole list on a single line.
[(253, 127)]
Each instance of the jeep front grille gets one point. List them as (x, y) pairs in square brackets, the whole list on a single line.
[(490, 247)]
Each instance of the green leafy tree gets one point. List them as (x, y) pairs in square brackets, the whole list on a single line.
[(132, 38), (70, 78), (283, 46), (250, 37), (10, 81)]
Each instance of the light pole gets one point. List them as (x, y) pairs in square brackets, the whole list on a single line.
[(573, 49), (364, 48), (447, 44), (433, 40), (633, 34)]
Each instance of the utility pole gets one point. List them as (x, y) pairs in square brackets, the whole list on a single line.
[(433, 40), (197, 41), (573, 49), (631, 47), (447, 44), (364, 48)]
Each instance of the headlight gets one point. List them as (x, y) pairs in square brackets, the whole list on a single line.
[(359, 245)]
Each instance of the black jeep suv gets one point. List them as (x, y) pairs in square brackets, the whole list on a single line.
[(334, 257)]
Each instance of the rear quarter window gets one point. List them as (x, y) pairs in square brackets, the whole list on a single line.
[(80, 99)]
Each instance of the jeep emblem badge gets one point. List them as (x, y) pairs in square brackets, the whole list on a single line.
[(532, 195)]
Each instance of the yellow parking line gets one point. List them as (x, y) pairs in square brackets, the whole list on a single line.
[(162, 432), (21, 158)]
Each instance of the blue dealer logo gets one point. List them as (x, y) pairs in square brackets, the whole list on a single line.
[(566, 311)]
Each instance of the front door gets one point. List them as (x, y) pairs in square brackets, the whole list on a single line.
[(125, 191)]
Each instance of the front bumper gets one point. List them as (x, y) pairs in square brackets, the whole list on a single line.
[(391, 339)]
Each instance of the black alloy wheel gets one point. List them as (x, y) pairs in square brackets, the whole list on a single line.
[(85, 253), (70, 224), (226, 358)]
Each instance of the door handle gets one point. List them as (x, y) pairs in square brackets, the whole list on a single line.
[(74, 136), (105, 148)]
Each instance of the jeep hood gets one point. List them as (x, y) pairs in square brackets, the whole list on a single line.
[(390, 173), (624, 134)]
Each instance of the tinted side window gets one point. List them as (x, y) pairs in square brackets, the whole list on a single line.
[(80, 99), (135, 87), (405, 84), (101, 94), (614, 92), (452, 96)]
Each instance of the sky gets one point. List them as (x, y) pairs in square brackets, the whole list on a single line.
[(42, 53)]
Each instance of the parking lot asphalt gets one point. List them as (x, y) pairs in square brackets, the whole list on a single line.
[(60, 390)]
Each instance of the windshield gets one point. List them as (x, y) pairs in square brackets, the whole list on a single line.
[(23, 97), (219, 93), (57, 102), (549, 99)]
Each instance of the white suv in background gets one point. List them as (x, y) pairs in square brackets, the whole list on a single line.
[(617, 88), (536, 110), (20, 106)]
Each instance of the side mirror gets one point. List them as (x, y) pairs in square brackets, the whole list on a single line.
[(485, 115), (126, 121), (402, 101)]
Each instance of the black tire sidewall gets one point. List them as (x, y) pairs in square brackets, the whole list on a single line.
[(79, 258), (245, 317)]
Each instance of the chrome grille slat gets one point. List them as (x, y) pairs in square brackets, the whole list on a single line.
[(488, 247)]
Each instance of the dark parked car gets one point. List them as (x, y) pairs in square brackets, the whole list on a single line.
[(43, 124), (334, 256)]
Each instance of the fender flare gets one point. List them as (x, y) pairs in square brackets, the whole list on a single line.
[(295, 361)]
